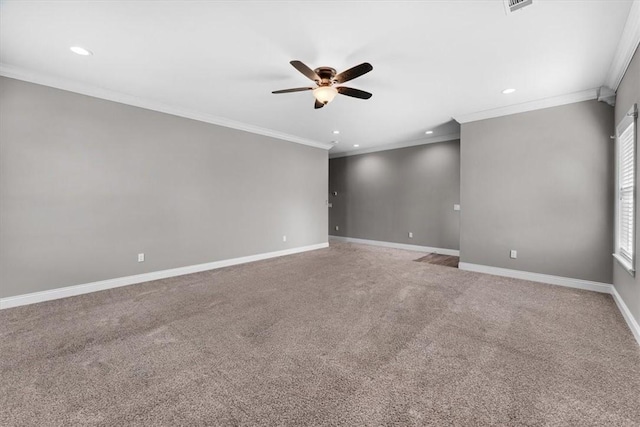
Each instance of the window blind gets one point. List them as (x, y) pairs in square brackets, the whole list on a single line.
[(626, 197), (626, 182)]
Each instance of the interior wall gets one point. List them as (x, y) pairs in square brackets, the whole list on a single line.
[(387, 194), (87, 184), (628, 94), (541, 183)]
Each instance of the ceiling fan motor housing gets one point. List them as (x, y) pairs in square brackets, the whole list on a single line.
[(326, 75)]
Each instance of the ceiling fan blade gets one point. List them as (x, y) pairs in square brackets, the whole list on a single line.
[(297, 89), (353, 72), (356, 93), (318, 104), (311, 75)]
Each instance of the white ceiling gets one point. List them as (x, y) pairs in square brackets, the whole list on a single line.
[(433, 60)]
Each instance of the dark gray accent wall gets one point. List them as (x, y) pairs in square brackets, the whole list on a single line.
[(387, 194), (541, 183), (87, 184), (628, 94)]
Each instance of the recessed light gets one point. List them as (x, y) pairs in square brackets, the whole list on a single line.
[(429, 132), (356, 145), (508, 91), (80, 51), (336, 132)]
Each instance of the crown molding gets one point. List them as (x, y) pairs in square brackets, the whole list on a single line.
[(539, 104), (397, 145), (123, 98), (627, 46)]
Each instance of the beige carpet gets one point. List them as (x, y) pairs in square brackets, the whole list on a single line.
[(351, 335)]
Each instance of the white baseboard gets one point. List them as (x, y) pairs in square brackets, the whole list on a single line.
[(538, 277), (101, 285), (626, 313), (416, 248), (605, 288)]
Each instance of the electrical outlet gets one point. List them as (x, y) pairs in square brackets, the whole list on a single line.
[(337, 228), (456, 207), (513, 254), (410, 235), (330, 205), (140, 257), (284, 238)]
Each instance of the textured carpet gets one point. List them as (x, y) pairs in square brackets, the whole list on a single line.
[(437, 259), (351, 335)]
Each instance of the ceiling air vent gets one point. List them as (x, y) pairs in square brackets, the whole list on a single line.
[(513, 5)]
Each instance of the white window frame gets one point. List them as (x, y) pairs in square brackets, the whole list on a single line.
[(626, 256)]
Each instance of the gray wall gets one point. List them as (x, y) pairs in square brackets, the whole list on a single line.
[(87, 184), (540, 182), (628, 94), (385, 195)]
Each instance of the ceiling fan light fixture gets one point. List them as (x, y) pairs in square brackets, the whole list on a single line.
[(325, 94)]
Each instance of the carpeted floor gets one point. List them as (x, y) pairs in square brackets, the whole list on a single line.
[(352, 335)]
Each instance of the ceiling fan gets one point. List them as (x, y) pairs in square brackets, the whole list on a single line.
[(326, 79)]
